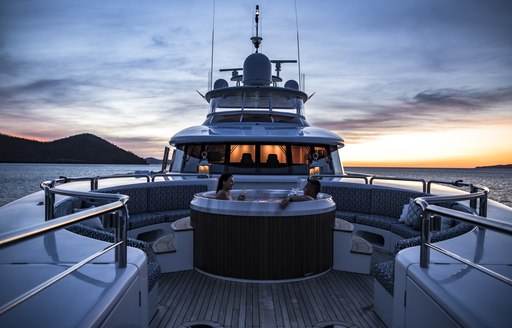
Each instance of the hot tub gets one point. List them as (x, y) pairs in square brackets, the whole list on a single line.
[(256, 239)]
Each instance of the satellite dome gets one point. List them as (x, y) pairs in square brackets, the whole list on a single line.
[(257, 70), (292, 84), (220, 83)]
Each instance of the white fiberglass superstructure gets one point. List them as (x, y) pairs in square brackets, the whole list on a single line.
[(256, 127)]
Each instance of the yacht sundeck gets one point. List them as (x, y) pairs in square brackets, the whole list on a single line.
[(157, 249)]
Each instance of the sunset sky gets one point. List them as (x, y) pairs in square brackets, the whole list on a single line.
[(405, 83)]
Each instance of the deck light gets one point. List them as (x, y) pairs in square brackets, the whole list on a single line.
[(203, 168)]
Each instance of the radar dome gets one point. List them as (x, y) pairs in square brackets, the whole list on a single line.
[(291, 84), (257, 70), (220, 83)]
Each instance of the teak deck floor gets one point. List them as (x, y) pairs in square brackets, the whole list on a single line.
[(335, 299)]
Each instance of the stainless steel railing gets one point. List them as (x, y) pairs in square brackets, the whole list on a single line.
[(473, 188), (422, 181), (433, 212), (120, 219), (94, 181)]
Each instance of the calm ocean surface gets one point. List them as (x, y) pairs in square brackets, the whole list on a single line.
[(17, 180)]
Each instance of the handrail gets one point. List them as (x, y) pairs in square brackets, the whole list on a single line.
[(39, 288), (117, 176), (120, 242), (93, 180), (171, 174), (349, 176), (377, 177), (482, 196), (472, 189), (432, 212), (62, 180)]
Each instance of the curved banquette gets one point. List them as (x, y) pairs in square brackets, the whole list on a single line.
[(374, 211), (152, 208)]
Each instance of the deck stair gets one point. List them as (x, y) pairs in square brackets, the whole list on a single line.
[(351, 253), (175, 251)]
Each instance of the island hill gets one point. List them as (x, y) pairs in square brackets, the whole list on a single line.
[(503, 166), (79, 149)]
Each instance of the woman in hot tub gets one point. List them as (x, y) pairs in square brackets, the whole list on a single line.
[(311, 190), (224, 187)]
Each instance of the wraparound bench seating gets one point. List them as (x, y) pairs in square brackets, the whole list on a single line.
[(375, 212), (159, 202), (152, 207)]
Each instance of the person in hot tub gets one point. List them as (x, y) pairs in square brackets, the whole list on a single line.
[(224, 187), (311, 190)]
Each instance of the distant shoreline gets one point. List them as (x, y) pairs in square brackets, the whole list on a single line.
[(504, 166)]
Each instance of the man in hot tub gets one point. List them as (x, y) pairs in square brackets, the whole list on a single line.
[(311, 190)]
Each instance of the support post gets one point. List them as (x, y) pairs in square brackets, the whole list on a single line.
[(425, 239), (49, 202)]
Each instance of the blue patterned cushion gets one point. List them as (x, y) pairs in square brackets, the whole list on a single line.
[(389, 201), (413, 217), (377, 221), (144, 219), (66, 207), (169, 197), (435, 236), (138, 194), (347, 216), (384, 273), (350, 198), (150, 218), (404, 231), (405, 209), (171, 216)]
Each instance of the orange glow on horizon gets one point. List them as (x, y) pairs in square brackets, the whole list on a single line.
[(454, 163), (29, 137)]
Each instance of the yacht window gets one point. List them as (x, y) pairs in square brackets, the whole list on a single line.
[(232, 118), (243, 155), (324, 159), (286, 119), (256, 118), (273, 155), (177, 160), (230, 100), (286, 102), (192, 158), (254, 159), (272, 159), (300, 159), (336, 161), (216, 155)]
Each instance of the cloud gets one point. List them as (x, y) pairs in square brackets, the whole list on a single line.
[(378, 67), (428, 110), (463, 99)]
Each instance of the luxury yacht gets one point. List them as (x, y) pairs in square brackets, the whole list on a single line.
[(157, 249)]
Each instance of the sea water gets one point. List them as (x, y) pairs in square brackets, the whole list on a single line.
[(18, 180), (499, 181)]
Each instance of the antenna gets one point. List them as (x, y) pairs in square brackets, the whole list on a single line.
[(256, 40), (278, 66), (298, 44), (210, 78)]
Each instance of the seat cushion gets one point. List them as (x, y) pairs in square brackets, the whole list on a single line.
[(384, 273), (377, 221)]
